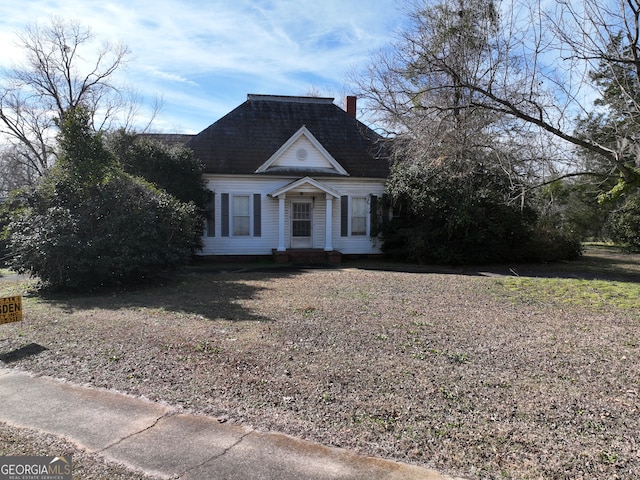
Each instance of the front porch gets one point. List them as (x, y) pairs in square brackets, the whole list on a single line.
[(297, 222), (307, 255)]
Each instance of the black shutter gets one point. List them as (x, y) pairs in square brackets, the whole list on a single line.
[(373, 214), (224, 205), (344, 216), (211, 216), (257, 215)]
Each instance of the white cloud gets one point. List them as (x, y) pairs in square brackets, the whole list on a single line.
[(171, 77), (207, 53)]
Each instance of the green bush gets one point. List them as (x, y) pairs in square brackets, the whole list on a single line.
[(123, 232), (624, 223), (454, 217), (4, 233), (89, 224), (174, 169), (551, 245), (462, 214)]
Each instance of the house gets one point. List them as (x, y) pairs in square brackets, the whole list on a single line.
[(292, 175)]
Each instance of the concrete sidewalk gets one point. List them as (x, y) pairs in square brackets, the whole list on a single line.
[(160, 440)]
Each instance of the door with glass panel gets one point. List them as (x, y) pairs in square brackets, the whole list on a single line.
[(301, 224)]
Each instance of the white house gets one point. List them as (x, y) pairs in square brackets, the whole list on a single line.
[(291, 175)]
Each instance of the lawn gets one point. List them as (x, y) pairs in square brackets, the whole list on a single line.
[(519, 371)]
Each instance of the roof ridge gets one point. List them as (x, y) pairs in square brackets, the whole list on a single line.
[(288, 98)]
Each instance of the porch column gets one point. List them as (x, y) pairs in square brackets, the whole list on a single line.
[(328, 247), (281, 199)]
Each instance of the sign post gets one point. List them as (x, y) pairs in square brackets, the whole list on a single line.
[(10, 309)]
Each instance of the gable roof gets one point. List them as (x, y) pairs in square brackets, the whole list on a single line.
[(306, 181), (249, 136), (330, 164)]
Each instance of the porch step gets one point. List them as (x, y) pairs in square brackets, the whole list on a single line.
[(304, 255)]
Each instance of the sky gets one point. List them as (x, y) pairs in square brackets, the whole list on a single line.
[(202, 57)]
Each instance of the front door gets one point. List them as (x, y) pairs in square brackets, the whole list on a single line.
[(301, 225)]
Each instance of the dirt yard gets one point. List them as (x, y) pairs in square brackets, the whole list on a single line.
[(481, 373)]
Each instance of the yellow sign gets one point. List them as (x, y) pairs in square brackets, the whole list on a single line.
[(10, 309)]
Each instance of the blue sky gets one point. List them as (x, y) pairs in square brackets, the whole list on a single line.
[(204, 56)]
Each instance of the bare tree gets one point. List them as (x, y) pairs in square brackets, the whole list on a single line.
[(14, 175), (61, 70), (531, 72)]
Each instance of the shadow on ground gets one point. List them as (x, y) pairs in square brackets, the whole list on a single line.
[(22, 353), (213, 295), (217, 291), (597, 263)]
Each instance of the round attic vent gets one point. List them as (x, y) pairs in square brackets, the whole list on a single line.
[(301, 153)]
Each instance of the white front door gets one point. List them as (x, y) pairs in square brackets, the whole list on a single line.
[(301, 224)]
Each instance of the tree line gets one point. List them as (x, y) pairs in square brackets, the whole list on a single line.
[(515, 126)]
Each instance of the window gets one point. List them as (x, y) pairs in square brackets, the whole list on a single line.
[(358, 216), (301, 221), (241, 215)]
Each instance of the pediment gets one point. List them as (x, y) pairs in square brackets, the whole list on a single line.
[(305, 185), (302, 153)]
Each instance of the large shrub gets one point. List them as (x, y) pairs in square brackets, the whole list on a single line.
[(571, 205), (450, 213), (89, 224), (122, 232), (624, 222), (172, 168), (5, 213)]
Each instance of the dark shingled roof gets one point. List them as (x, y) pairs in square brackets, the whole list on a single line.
[(169, 139), (241, 141)]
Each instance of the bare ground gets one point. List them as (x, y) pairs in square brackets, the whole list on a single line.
[(446, 369)]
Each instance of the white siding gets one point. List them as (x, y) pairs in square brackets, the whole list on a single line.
[(314, 158), (231, 245), (263, 245), (319, 223), (356, 244)]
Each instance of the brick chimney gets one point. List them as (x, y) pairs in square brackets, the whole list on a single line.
[(351, 106)]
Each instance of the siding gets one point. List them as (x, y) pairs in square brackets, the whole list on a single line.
[(314, 158), (268, 239), (357, 244)]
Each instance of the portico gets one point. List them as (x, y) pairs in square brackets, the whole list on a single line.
[(300, 215)]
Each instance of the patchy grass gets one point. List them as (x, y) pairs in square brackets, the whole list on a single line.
[(591, 293), (518, 371)]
